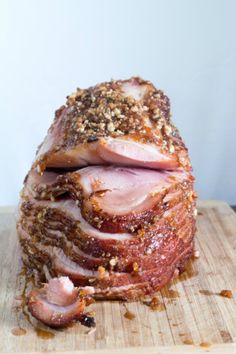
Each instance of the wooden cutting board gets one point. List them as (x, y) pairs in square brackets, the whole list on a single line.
[(196, 319)]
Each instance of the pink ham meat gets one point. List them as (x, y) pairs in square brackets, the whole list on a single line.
[(118, 199), (112, 199), (58, 303), (123, 122), (129, 152), (109, 201)]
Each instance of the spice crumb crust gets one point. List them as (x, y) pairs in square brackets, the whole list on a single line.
[(105, 110)]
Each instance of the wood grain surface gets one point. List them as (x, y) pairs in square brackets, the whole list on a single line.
[(194, 318)]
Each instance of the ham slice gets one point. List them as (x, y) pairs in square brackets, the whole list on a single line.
[(120, 199), (130, 125), (58, 303), (120, 190)]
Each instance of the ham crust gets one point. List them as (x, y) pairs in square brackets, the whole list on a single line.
[(120, 122)]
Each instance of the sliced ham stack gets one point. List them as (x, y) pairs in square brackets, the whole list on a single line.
[(109, 201)]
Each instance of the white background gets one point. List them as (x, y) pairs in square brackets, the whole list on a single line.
[(186, 47)]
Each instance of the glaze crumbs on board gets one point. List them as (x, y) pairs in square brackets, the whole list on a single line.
[(224, 293), (44, 334), (155, 304), (128, 314), (18, 331), (204, 344), (188, 342)]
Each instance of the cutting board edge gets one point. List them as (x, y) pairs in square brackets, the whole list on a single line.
[(226, 348)]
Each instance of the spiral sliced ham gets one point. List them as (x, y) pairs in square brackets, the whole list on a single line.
[(109, 201)]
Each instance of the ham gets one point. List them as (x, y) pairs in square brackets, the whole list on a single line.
[(58, 303), (109, 201)]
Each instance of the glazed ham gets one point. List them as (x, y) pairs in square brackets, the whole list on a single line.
[(109, 201)]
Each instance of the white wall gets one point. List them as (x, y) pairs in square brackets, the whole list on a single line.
[(186, 47)]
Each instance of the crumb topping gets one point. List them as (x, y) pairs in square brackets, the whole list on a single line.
[(104, 110), (226, 293)]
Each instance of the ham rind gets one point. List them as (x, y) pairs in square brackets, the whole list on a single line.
[(58, 303), (130, 126)]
